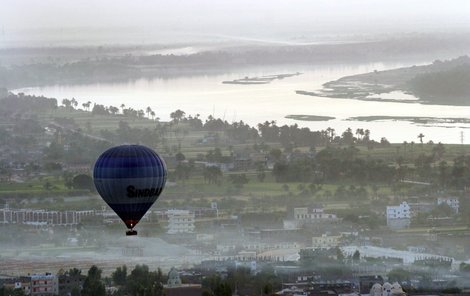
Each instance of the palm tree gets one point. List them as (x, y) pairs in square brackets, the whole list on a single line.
[(67, 103), (122, 108), (177, 115), (86, 106), (113, 110), (421, 136), (74, 102), (148, 111), (331, 133), (360, 133)]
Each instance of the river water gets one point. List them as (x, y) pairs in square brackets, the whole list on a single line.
[(207, 95)]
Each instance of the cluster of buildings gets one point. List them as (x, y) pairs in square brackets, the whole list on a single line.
[(42, 217), (45, 284), (306, 285), (179, 220), (67, 284)]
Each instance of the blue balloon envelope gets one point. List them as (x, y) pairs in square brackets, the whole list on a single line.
[(130, 178)]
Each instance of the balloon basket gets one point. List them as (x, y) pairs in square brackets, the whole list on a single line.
[(131, 232)]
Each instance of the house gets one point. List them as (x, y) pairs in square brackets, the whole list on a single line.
[(44, 285), (314, 214), (326, 241), (180, 221), (399, 217), (309, 215)]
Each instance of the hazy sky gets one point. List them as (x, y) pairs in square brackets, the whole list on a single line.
[(249, 18)]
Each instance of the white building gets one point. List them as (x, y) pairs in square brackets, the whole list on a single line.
[(315, 214), (180, 221), (42, 217), (451, 202), (399, 216), (326, 241), (305, 215)]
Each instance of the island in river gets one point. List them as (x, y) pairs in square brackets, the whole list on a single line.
[(419, 120), (441, 83), (309, 117), (260, 80)]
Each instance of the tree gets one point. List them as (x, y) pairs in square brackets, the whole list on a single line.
[(93, 286), (83, 181), (421, 136), (212, 175), (183, 170), (86, 106), (356, 256), (142, 282), (280, 171), (119, 276), (348, 137), (223, 289), (239, 180), (67, 103), (11, 292), (177, 116), (74, 272), (75, 291), (74, 103), (148, 110), (99, 109), (113, 110), (275, 154)]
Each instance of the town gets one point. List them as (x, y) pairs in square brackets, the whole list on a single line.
[(278, 209)]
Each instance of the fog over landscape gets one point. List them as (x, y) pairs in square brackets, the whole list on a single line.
[(234, 147), (53, 22)]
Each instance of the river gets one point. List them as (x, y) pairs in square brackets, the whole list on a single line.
[(207, 95)]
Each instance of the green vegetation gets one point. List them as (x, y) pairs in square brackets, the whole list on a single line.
[(245, 169), (450, 85), (442, 82), (93, 286)]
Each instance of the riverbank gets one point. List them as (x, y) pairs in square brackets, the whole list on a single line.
[(407, 81)]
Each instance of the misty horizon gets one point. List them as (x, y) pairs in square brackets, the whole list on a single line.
[(149, 22)]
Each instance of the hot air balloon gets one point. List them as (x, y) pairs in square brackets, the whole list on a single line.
[(130, 178)]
